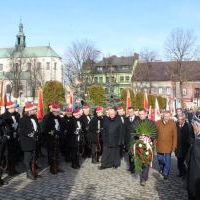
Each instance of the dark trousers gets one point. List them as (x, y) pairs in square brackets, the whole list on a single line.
[(144, 174), (75, 157), (28, 156), (164, 161), (95, 153), (181, 166), (131, 163)]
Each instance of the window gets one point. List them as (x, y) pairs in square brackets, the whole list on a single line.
[(55, 64), (39, 65), (1, 67), (160, 90), (125, 68), (113, 79), (184, 91), (168, 90), (196, 92), (127, 78), (28, 66), (99, 69), (121, 78), (100, 79), (96, 79), (48, 66)]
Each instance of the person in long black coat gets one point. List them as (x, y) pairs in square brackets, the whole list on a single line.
[(121, 114), (52, 130), (112, 140), (184, 133), (95, 132), (76, 142), (86, 118), (131, 122), (67, 123), (28, 133), (12, 142), (3, 143), (193, 175)]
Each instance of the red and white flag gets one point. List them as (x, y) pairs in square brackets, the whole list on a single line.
[(157, 111), (40, 106), (146, 102), (128, 100), (151, 114)]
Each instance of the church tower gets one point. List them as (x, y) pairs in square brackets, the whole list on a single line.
[(21, 38)]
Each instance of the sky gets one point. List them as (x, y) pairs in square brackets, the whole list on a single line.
[(116, 27)]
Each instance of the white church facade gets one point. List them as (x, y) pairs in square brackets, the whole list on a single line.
[(23, 69)]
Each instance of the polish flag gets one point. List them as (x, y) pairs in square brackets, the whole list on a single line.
[(146, 102), (40, 106), (157, 111), (151, 114)]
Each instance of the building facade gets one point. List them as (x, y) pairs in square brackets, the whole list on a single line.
[(23, 69), (164, 79), (113, 73)]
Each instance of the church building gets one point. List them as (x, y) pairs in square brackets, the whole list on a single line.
[(23, 69)]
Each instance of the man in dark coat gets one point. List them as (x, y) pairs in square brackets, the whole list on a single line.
[(144, 174), (193, 182), (28, 133), (52, 129), (86, 118), (121, 114), (76, 135), (95, 131), (184, 133), (3, 143), (67, 123), (12, 142), (131, 121), (112, 140)]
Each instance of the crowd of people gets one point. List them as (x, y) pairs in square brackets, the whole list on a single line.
[(103, 137)]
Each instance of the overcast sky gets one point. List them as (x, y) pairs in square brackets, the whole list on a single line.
[(116, 26)]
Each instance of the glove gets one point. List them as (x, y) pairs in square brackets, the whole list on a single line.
[(14, 135), (51, 133), (31, 135)]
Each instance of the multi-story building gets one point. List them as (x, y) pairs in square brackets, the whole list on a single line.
[(23, 69), (113, 73), (164, 78)]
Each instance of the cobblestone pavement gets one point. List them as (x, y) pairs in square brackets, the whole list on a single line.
[(91, 183)]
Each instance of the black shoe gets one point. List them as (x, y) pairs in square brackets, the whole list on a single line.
[(101, 168), (60, 170), (38, 167), (30, 176), (143, 183), (165, 177)]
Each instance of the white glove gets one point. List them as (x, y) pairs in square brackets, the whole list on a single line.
[(31, 134), (51, 133)]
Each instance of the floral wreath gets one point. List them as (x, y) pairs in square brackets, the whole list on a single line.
[(141, 150)]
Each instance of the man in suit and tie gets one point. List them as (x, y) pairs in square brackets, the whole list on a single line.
[(184, 135), (132, 121)]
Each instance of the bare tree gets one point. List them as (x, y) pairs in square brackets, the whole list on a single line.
[(79, 61), (141, 74), (14, 75), (36, 74), (180, 47)]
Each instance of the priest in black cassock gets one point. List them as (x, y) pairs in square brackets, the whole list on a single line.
[(112, 140)]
